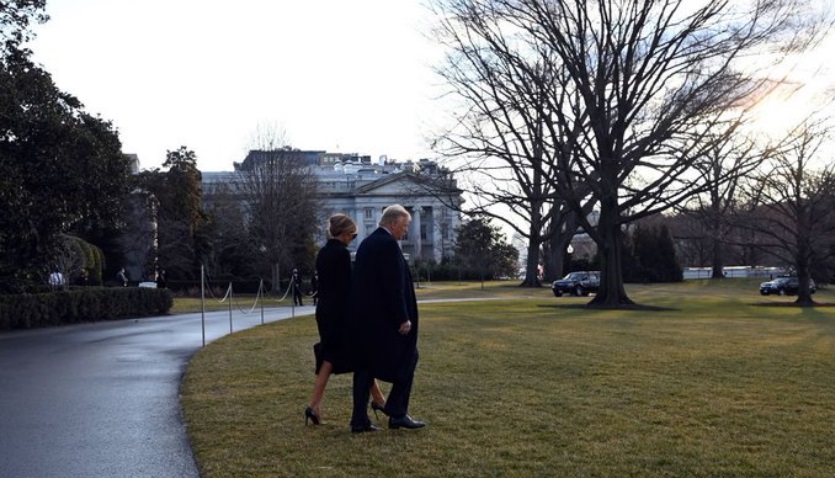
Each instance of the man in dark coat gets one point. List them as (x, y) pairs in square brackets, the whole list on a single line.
[(314, 287), (296, 283), (385, 319)]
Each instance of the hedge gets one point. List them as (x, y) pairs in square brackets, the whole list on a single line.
[(88, 304)]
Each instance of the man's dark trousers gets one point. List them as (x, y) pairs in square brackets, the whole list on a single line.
[(397, 403)]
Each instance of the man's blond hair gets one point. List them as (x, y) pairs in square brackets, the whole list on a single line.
[(392, 214)]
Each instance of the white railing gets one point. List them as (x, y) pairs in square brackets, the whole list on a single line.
[(733, 271)]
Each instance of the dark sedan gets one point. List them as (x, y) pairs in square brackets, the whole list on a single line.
[(784, 285), (577, 283)]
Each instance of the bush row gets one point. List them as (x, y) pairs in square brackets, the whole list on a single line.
[(88, 304)]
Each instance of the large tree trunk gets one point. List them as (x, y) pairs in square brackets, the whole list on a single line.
[(717, 256), (612, 294), (534, 241), (717, 264), (558, 243), (804, 294), (532, 266), (553, 260)]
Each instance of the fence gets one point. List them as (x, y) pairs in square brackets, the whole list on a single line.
[(229, 299), (733, 271)]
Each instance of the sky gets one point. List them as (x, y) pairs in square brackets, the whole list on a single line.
[(342, 76)]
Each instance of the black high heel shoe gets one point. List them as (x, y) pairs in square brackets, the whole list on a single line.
[(376, 407), (309, 414)]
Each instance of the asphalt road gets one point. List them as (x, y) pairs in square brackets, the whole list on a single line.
[(102, 400)]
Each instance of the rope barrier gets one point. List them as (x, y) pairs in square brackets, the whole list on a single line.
[(228, 291), (289, 288), (259, 296), (255, 304)]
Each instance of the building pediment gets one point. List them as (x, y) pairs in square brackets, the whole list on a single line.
[(399, 184)]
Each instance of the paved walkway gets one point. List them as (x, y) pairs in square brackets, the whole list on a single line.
[(102, 400)]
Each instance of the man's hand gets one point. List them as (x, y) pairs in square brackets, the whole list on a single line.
[(405, 327)]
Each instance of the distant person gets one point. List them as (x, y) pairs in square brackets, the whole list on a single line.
[(296, 283), (314, 287), (122, 277), (333, 267), (56, 279), (385, 320), (162, 280)]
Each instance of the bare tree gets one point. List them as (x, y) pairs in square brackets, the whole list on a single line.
[(792, 206), (635, 93), (692, 242), (279, 189), (726, 161), (504, 144)]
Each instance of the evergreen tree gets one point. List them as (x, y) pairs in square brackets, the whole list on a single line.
[(183, 242), (652, 256), (480, 248), (61, 168)]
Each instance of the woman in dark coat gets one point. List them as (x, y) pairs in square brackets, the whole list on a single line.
[(333, 266)]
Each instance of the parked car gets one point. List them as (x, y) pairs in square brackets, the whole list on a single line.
[(577, 283), (784, 285)]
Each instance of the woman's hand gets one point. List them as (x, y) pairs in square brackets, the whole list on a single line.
[(405, 327)]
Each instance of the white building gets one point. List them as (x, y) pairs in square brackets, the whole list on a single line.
[(353, 185)]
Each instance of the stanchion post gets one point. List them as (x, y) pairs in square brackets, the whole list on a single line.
[(230, 307), (203, 303), (261, 296)]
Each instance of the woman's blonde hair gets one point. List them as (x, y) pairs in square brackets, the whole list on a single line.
[(340, 223)]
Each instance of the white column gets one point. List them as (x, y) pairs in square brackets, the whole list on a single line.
[(418, 243), (357, 216), (437, 240)]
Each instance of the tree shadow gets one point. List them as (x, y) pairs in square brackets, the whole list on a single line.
[(641, 307), (794, 304)]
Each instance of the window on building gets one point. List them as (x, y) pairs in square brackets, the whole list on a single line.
[(445, 230), (369, 213), (423, 232)]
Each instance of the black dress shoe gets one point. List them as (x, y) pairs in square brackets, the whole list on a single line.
[(405, 422), (366, 428)]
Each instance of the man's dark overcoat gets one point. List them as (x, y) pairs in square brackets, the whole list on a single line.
[(333, 265), (383, 297)]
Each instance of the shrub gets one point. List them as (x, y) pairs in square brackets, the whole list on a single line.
[(89, 304)]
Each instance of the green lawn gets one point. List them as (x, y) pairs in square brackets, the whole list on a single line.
[(721, 382), (425, 290)]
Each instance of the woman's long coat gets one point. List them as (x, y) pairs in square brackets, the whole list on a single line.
[(333, 265)]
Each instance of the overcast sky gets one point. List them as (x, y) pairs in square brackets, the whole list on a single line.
[(335, 75)]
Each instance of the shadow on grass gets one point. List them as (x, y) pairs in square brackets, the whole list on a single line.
[(793, 304), (649, 308)]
